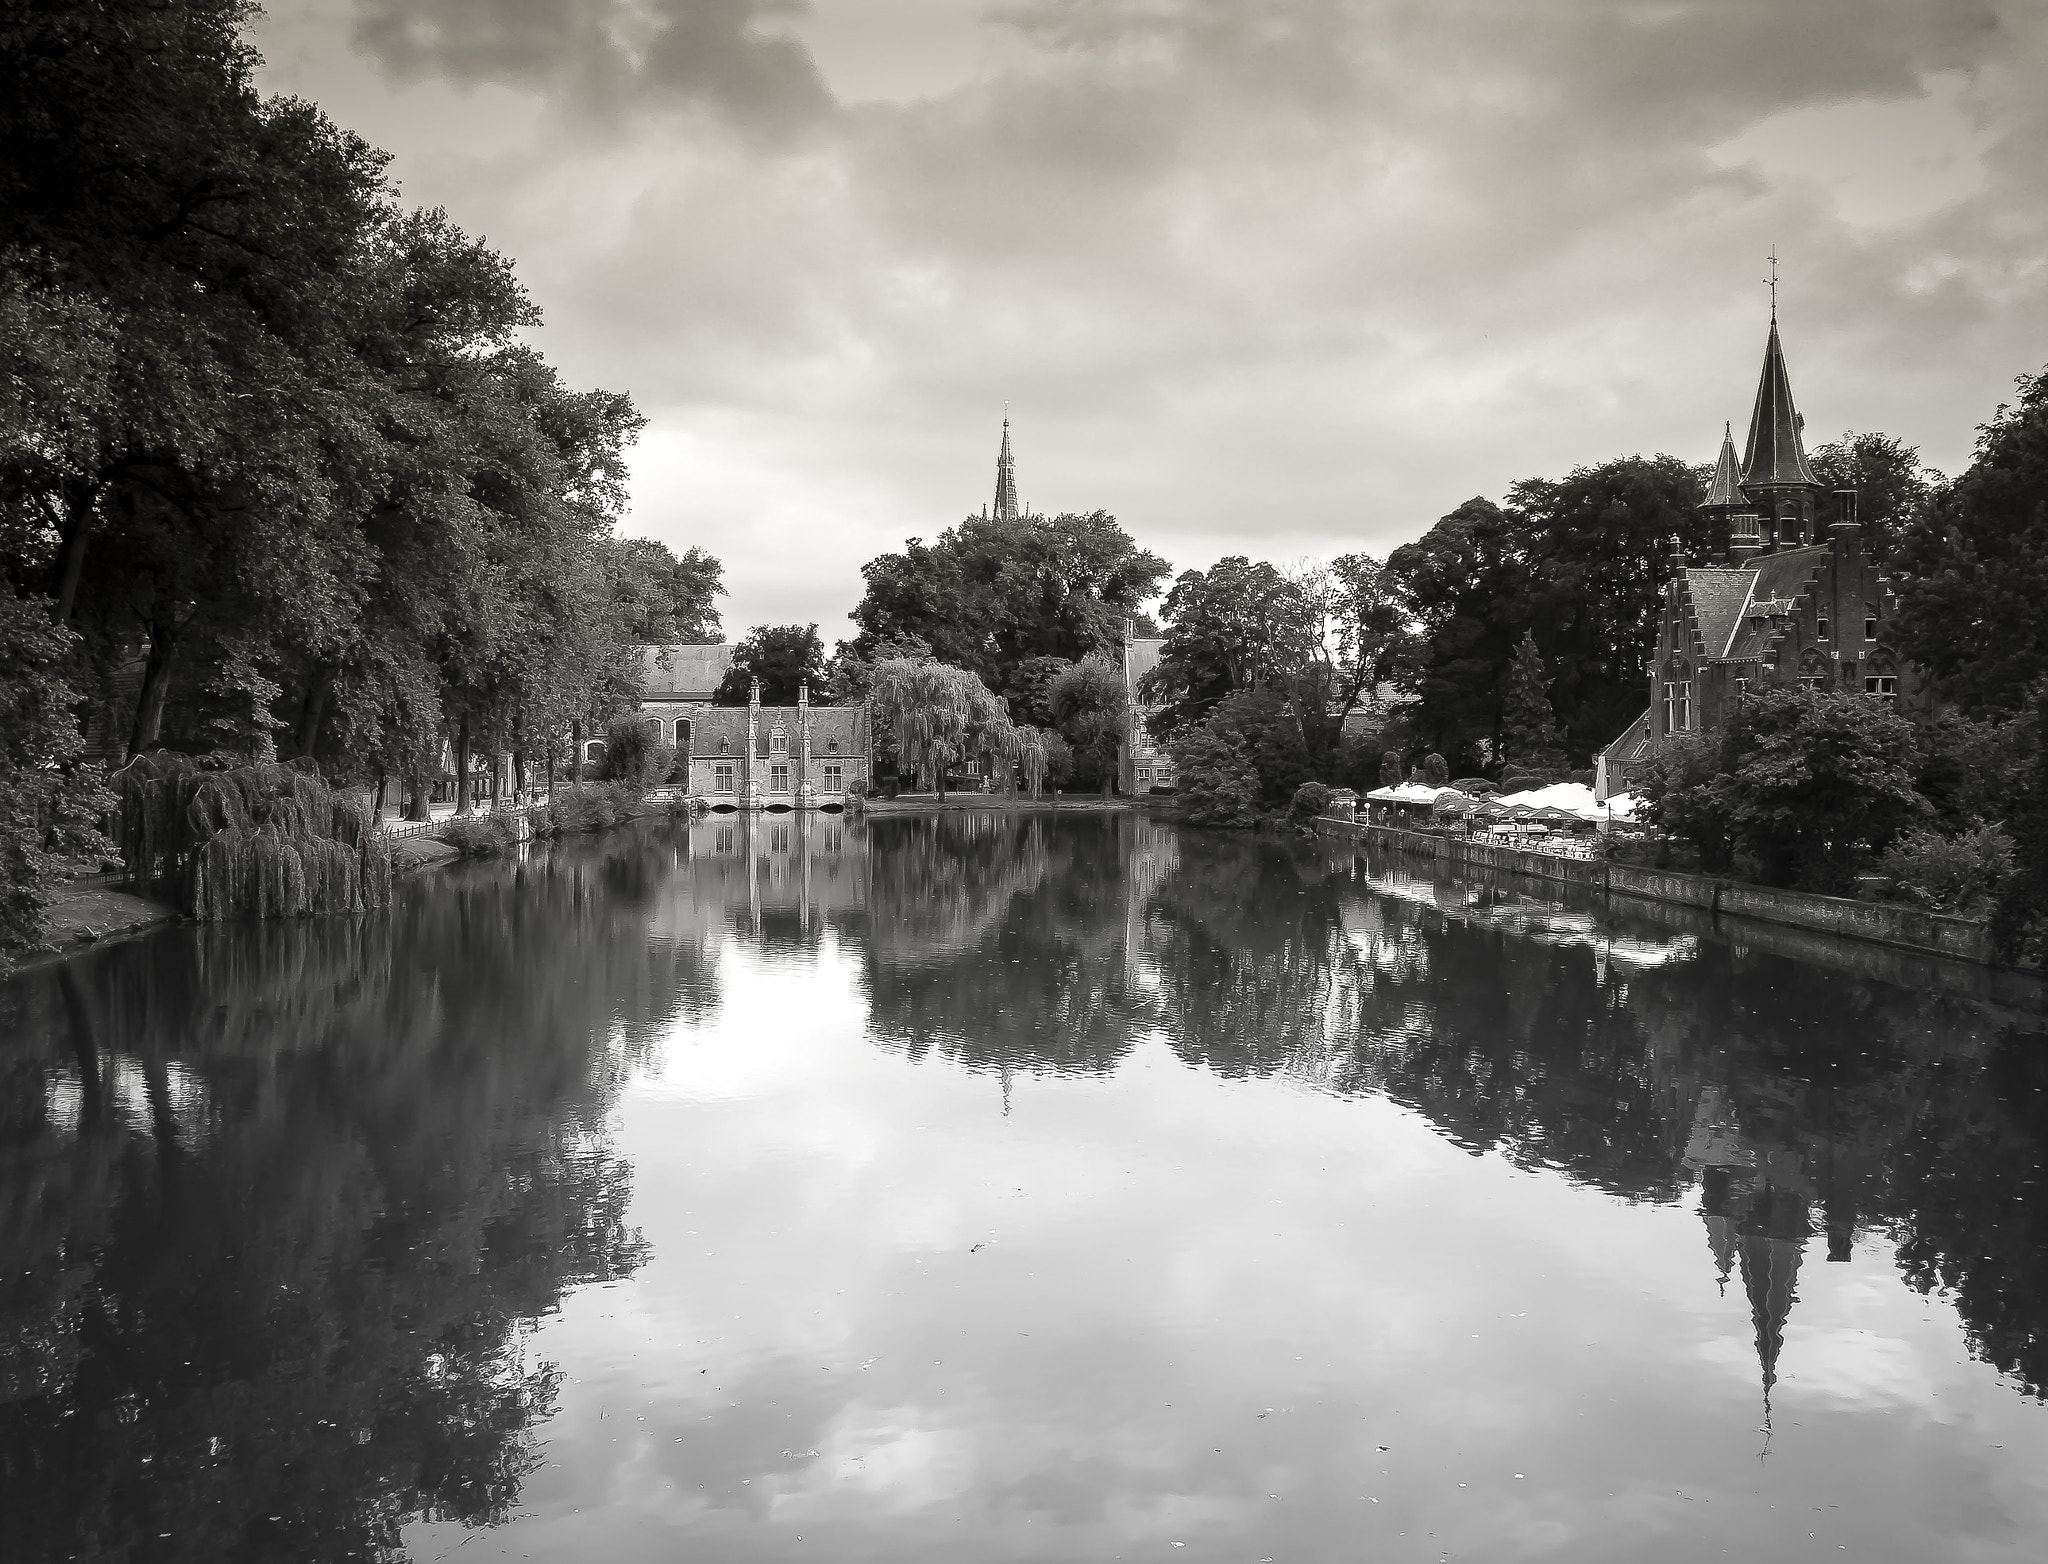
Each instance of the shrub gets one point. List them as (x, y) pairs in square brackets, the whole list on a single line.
[(592, 808), (1436, 771), (1960, 873), (1310, 800), (479, 836), (1218, 783), (634, 757)]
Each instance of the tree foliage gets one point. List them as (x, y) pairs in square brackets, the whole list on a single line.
[(1214, 777), (785, 658), (939, 715), (1091, 710), (990, 596), (1529, 737)]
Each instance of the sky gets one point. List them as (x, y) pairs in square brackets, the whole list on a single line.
[(1284, 278)]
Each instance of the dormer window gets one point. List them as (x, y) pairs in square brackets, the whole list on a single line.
[(778, 741)]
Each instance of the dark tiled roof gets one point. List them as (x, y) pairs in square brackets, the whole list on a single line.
[(1775, 454), (692, 672), (847, 725), (1778, 577), (1718, 594)]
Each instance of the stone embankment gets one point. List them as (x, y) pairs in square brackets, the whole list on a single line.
[(1884, 923)]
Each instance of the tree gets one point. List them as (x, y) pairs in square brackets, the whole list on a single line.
[(669, 599), (1529, 737), (1392, 772), (1436, 770), (1465, 588), (991, 594), (1595, 545), (1892, 487), (1974, 566), (1685, 799), (1814, 780), (1342, 637), (50, 803), (1224, 626), (783, 657), (940, 715), (1214, 777), (635, 756), (1092, 711)]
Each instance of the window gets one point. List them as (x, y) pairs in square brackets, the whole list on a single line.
[(1144, 779), (1823, 623), (725, 839), (1884, 686), (778, 741), (593, 753), (1677, 705), (778, 779), (835, 777), (1813, 681), (1870, 627), (721, 779)]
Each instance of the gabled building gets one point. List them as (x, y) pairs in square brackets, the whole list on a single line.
[(1141, 764), (1779, 605)]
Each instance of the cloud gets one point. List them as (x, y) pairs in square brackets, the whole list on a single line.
[(1267, 276)]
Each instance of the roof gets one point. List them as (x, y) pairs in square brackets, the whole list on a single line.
[(1778, 577), (722, 730), (1140, 658), (1724, 490), (1718, 594), (1775, 455), (684, 672), (1631, 743)]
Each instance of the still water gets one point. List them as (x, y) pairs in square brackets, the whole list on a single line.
[(1006, 1188)]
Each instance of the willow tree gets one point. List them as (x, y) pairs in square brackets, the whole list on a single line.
[(941, 715)]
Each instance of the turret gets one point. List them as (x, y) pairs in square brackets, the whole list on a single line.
[(1724, 490), (1776, 477)]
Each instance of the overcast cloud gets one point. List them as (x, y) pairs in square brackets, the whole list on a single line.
[(1281, 277)]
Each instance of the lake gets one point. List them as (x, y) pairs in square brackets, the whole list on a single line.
[(1011, 1187)]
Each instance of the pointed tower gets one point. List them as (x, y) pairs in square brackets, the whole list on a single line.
[(1726, 509), (1775, 476), (1006, 478)]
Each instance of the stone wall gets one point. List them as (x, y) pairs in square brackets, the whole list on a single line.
[(1884, 923)]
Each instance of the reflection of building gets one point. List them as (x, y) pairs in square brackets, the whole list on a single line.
[(813, 865), (1776, 606), (1141, 764)]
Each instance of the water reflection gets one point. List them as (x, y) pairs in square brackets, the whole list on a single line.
[(982, 1183)]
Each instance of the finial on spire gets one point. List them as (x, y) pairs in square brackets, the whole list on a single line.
[(1773, 280)]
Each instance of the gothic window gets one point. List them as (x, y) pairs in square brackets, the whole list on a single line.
[(1814, 672), (1677, 705)]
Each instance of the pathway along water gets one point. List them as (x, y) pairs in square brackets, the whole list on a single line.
[(999, 1187)]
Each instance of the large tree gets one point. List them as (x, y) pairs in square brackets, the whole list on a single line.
[(783, 657), (1892, 487), (991, 596), (1225, 626), (1091, 710)]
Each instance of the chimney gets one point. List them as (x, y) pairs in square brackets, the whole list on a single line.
[(1745, 538), (1675, 559)]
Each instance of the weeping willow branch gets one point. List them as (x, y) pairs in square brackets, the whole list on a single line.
[(259, 841)]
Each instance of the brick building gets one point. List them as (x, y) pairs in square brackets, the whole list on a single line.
[(1778, 606)]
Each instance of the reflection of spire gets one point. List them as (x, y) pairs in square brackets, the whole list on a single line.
[(1773, 1238), (1720, 1226)]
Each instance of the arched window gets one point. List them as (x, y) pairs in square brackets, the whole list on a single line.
[(1815, 671), (593, 753), (778, 741), (653, 727)]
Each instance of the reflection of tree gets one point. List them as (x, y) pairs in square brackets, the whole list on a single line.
[(1804, 1100), (1003, 939), (277, 1204)]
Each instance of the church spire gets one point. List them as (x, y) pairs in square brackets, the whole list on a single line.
[(1006, 476), (1776, 458)]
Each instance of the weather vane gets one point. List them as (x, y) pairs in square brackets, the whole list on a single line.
[(1773, 280)]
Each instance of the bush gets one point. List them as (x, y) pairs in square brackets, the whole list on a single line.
[(1217, 780), (634, 757), (478, 836), (1478, 787), (1310, 800), (580, 809), (1959, 874), (1436, 771)]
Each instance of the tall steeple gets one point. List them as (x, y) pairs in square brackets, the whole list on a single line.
[(1775, 474), (1006, 476)]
